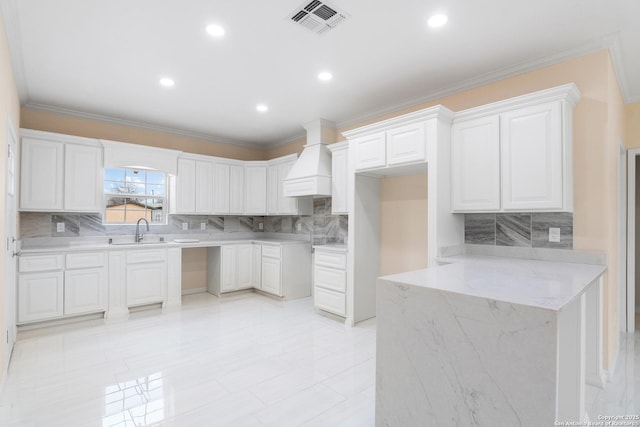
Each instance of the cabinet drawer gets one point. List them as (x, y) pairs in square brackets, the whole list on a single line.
[(330, 278), (146, 255), (271, 251), (40, 263), (85, 260), (331, 301), (331, 259)]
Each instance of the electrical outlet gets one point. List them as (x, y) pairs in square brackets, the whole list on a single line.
[(203, 226), (299, 226), (185, 226), (60, 227), (554, 234), (261, 226)]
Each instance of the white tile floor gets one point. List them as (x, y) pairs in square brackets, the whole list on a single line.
[(245, 360)]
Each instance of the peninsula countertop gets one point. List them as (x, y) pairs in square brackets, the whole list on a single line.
[(542, 284)]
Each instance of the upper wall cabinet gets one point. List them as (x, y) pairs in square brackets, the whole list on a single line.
[(194, 185), (277, 204), (398, 142), (515, 155), (228, 187), (255, 194), (339, 181), (60, 173)]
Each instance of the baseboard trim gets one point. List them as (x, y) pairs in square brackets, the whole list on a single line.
[(193, 291)]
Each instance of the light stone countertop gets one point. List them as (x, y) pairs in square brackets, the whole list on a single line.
[(542, 284), (125, 245)]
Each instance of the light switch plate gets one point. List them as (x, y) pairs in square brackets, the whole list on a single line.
[(185, 226), (203, 226), (60, 227), (554, 234)]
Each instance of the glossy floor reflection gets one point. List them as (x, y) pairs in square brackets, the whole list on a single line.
[(245, 360), (242, 360)]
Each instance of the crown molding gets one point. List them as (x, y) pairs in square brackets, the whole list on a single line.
[(295, 138), (142, 125)]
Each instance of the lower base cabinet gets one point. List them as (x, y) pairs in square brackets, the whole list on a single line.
[(146, 278), (40, 296), (85, 291), (330, 280)]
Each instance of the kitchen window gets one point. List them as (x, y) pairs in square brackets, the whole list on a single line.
[(131, 194)]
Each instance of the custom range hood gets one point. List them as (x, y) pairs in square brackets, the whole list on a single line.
[(311, 174)]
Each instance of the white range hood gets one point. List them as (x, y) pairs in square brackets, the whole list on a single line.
[(311, 174)]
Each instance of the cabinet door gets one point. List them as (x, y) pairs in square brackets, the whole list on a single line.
[(85, 291), (271, 276), (370, 151), (41, 175), (406, 144), (475, 165), (256, 276), (146, 283), (186, 186), (274, 190), (204, 187), (228, 268), (244, 264), (236, 189), (221, 188), (40, 296), (82, 178), (531, 156), (339, 165), (255, 201), (286, 205)]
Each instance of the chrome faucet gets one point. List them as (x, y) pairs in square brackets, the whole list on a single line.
[(140, 236)]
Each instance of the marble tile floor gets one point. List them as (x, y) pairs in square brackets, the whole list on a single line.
[(245, 360)]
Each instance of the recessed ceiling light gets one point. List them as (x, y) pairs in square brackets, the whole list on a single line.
[(167, 82), (437, 20), (215, 30), (325, 76), (262, 108)]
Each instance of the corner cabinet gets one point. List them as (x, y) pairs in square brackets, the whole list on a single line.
[(339, 177), (277, 204), (60, 173), (515, 155)]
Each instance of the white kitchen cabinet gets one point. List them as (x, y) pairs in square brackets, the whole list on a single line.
[(236, 189), (85, 283), (244, 264), (339, 177), (228, 268), (85, 291), (221, 177), (146, 276), (40, 296), (41, 175), (515, 155), (271, 279), (60, 173), (286, 269), (330, 279), (82, 178), (194, 186), (475, 166), (406, 144), (256, 268), (277, 204), (532, 157), (370, 151), (255, 195)]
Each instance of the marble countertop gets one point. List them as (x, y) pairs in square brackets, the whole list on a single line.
[(336, 247), (542, 284), (122, 245)]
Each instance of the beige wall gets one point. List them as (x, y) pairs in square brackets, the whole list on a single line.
[(194, 268), (403, 223), (294, 147), (9, 112), (632, 125), (51, 122)]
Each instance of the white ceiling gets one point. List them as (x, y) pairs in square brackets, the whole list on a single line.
[(104, 57)]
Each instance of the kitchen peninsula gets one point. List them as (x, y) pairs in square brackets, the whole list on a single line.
[(486, 341)]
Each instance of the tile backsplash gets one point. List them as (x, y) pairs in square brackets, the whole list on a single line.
[(518, 229), (321, 227)]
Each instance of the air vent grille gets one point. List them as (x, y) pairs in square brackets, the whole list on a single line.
[(318, 16)]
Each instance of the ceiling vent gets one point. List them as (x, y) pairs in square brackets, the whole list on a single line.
[(318, 16)]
